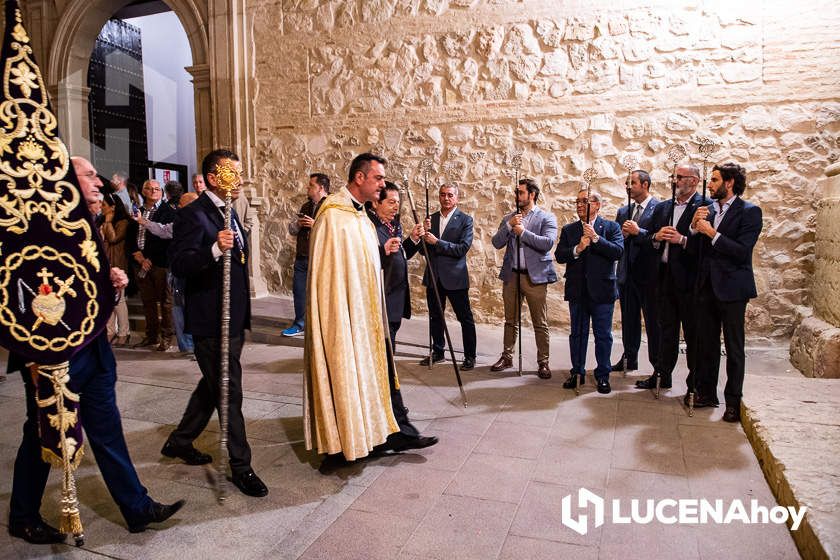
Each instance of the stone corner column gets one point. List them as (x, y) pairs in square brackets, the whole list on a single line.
[(815, 345), (258, 285)]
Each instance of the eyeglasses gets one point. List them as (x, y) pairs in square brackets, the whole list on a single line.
[(681, 177), (583, 202)]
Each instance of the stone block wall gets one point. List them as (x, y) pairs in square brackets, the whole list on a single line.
[(570, 86)]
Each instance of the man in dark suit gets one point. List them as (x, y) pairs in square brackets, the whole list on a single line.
[(149, 254), (677, 276), (728, 231), (590, 251), (449, 235), (394, 255), (93, 376), (534, 231), (199, 242), (637, 272)]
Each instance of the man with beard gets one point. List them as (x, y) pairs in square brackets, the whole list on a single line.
[(677, 278), (727, 231)]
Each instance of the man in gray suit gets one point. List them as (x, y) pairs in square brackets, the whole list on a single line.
[(536, 231), (449, 235)]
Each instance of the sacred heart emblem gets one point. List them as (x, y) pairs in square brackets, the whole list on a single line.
[(49, 308)]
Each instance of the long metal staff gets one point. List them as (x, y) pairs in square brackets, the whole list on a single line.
[(629, 163), (676, 153), (426, 167), (433, 281), (228, 179), (707, 148), (516, 163), (588, 176)]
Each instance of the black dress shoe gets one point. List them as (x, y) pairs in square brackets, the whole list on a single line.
[(36, 533), (650, 382), (732, 414), (631, 366), (435, 359), (250, 484), (604, 386), (190, 455), (400, 442), (468, 364), (570, 382), (701, 401), (159, 514)]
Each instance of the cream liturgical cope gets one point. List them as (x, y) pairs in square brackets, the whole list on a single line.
[(347, 400)]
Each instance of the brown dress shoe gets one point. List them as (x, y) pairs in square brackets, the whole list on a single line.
[(505, 362), (544, 372)]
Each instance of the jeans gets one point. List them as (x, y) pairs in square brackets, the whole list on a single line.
[(299, 289)]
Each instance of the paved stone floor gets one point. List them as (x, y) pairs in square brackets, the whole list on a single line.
[(492, 487)]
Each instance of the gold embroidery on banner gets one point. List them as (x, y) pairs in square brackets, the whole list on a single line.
[(39, 154), (49, 308)]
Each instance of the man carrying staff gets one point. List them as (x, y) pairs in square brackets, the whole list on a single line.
[(349, 380)]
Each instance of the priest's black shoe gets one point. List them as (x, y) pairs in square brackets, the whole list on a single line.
[(250, 484), (400, 442), (732, 414), (189, 454), (468, 364), (604, 386), (36, 533), (158, 514), (435, 359), (631, 366), (650, 382), (570, 382)]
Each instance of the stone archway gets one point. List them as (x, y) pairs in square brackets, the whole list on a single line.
[(65, 71)]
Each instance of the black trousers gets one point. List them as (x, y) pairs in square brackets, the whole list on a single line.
[(460, 301), (397, 405), (675, 309), (205, 399), (637, 300), (714, 315)]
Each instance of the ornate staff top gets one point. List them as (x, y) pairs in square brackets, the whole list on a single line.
[(676, 153), (707, 148), (228, 176), (629, 162), (589, 175)]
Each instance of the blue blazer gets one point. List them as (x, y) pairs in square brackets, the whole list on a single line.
[(449, 255), (593, 272), (727, 264), (638, 251), (682, 263), (537, 240), (196, 228)]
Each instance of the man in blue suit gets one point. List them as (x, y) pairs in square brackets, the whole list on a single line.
[(449, 234), (637, 272), (728, 231), (590, 251), (200, 240), (536, 231)]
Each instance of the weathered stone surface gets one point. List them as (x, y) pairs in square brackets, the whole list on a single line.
[(793, 427)]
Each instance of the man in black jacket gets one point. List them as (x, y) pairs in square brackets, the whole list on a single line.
[(199, 242), (677, 277), (148, 252), (728, 231)]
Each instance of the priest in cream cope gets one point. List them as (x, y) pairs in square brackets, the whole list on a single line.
[(352, 403)]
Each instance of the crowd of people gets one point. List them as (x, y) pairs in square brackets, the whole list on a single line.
[(681, 267)]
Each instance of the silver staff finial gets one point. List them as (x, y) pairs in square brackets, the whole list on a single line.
[(676, 153), (707, 148), (629, 162), (589, 175)]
